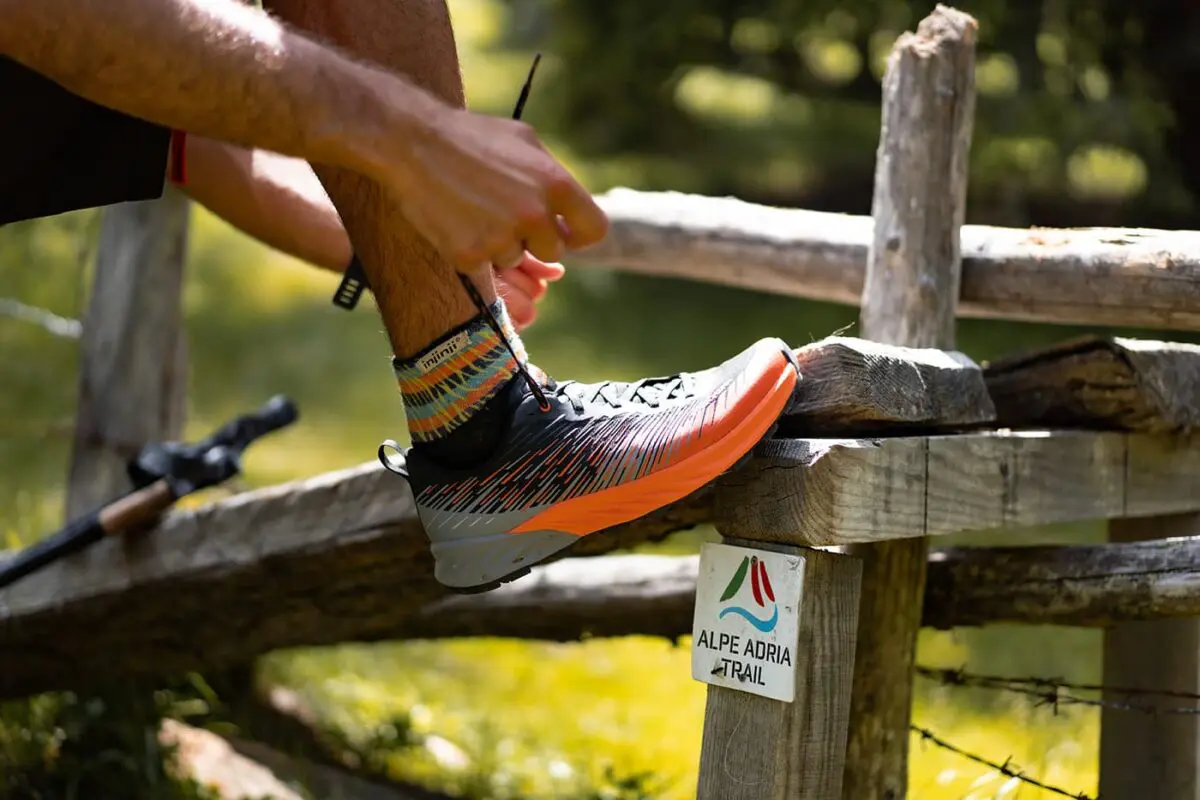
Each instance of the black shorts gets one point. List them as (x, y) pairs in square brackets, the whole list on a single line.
[(60, 152)]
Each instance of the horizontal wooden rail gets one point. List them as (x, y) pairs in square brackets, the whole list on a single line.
[(343, 557), (1094, 276), (900, 488), (1082, 585), (622, 595)]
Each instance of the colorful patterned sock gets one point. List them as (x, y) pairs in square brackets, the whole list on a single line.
[(448, 382)]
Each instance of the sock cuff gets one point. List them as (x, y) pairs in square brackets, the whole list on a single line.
[(451, 342), (446, 383)]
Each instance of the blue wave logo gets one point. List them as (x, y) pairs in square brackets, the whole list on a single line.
[(764, 625), (760, 585)]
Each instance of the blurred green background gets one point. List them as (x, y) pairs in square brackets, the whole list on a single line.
[(1086, 116)]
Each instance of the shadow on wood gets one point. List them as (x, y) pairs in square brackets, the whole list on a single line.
[(1126, 384)]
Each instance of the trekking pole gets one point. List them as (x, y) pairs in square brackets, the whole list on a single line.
[(162, 473)]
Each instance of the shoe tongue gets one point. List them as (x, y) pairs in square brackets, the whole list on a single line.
[(518, 388)]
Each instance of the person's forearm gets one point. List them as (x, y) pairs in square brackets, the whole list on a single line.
[(276, 199), (220, 69)]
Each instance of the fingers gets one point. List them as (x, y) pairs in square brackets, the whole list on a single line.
[(583, 223), (541, 270), (523, 282), (522, 288)]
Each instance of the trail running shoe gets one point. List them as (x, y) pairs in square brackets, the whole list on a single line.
[(579, 458)]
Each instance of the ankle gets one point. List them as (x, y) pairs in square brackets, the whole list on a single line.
[(452, 389), (477, 439)]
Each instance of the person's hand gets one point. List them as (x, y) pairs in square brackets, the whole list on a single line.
[(523, 286), (483, 190)]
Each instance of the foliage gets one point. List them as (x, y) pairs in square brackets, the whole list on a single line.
[(65, 746), (779, 99)]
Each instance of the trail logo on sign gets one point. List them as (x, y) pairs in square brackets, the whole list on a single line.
[(760, 587), (746, 625)]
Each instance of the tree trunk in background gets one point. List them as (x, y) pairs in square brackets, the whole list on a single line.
[(132, 390), (133, 368)]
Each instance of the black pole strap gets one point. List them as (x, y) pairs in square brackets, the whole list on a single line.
[(354, 283)]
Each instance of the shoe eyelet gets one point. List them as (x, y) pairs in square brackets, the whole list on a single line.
[(544, 406)]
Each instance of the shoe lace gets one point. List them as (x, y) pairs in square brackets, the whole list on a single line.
[(534, 386), (649, 392)]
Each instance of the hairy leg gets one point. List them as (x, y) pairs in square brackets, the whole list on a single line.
[(419, 293)]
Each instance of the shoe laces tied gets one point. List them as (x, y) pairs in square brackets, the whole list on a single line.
[(534, 386), (648, 392)]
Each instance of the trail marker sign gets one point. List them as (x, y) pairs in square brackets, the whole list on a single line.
[(746, 625)]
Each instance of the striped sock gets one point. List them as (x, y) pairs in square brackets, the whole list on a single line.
[(449, 381)]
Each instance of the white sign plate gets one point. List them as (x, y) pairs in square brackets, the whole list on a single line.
[(747, 619)]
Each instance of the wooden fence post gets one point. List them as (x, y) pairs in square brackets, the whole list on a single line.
[(133, 371), (909, 299), (758, 748), (132, 390), (1151, 756)]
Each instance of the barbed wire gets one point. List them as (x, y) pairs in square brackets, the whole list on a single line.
[(1056, 693), (1006, 768)]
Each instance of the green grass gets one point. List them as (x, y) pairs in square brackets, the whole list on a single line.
[(545, 716)]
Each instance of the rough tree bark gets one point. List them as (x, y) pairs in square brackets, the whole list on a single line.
[(910, 298)]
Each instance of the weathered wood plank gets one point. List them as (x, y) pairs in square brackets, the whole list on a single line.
[(133, 365), (572, 599), (132, 391), (1162, 474), (1085, 585), (341, 557), (1144, 756), (756, 748), (1021, 479), (845, 491), (1131, 277), (1088, 586), (910, 297), (1091, 586), (864, 387), (1126, 384), (1163, 750)]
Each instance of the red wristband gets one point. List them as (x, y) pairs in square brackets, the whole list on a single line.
[(178, 167)]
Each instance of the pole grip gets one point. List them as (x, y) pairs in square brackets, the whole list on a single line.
[(238, 433)]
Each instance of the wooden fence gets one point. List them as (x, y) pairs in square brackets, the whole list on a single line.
[(900, 438)]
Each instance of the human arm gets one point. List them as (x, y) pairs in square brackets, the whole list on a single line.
[(481, 189), (274, 198), (217, 68), (279, 201)]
